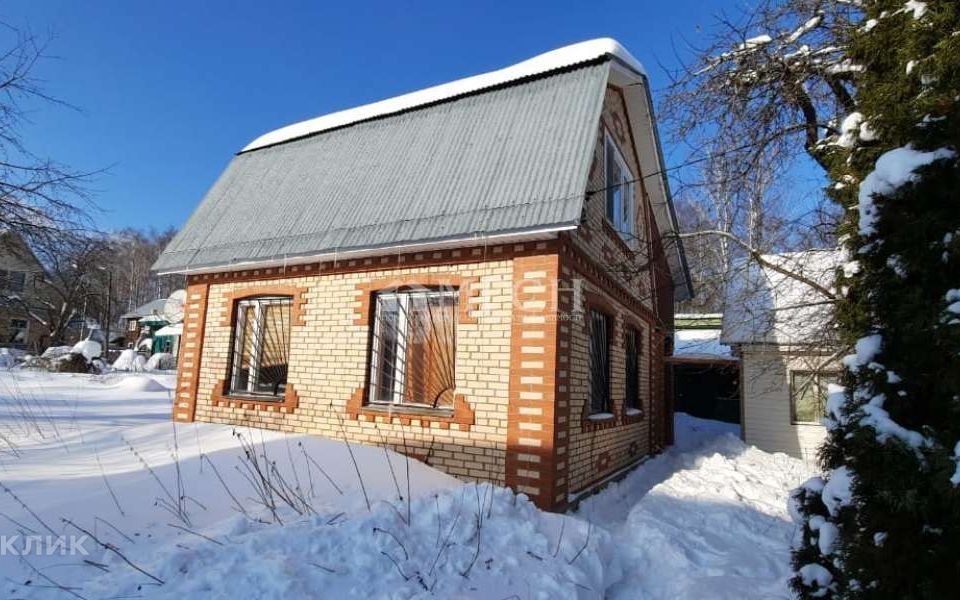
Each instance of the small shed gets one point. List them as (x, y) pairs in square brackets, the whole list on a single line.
[(167, 339), (706, 375), (779, 322)]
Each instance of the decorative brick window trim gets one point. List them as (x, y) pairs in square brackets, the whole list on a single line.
[(468, 288), (290, 402), (630, 321), (590, 269), (462, 414), (591, 301), (604, 305), (297, 308), (588, 424)]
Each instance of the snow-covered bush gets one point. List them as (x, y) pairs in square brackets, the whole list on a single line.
[(161, 361), (89, 348), (129, 360)]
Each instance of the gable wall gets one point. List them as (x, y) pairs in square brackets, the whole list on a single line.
[(599, 448)]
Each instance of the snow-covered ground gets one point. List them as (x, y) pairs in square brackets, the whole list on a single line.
[(706, 519), (213, 512)]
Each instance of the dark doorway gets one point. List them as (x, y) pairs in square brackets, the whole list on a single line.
[(708, 390)]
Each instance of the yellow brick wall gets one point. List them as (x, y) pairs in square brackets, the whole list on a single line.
[(595, 450), (328, 363), (593, 237)]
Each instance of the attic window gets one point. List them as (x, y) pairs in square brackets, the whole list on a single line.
[(618, 186), (261, 346), (413, 352)]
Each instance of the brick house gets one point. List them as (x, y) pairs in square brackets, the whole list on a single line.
[(481, 274)]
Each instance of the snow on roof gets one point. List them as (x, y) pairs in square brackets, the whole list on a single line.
[(699, 343), (763, 305), (169, 330), (543, 63), (154, 306)]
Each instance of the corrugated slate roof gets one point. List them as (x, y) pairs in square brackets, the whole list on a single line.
[(154, 306), (510, 159)]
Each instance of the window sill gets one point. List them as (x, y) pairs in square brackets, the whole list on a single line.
[(460, 415), (598, 421), (632, 415), (603, 416), (401, 409), (241, 397), (286, 404)]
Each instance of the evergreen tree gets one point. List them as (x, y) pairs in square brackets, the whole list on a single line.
[(884, 522)]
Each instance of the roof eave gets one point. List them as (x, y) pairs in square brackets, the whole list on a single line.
[(526, 235)]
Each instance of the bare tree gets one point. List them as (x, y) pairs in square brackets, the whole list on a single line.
[(134, 253), (37, 194), (767, 94)]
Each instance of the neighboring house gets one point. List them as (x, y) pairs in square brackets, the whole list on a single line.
[(131, 321), (706, 375), (20, 273), (480, 274), (782, 331)]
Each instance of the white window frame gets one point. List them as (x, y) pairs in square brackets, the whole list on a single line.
[(400, 356), (258, 339), (624, 217)]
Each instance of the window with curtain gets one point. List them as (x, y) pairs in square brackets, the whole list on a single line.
[(632, 370), (808, 395), (600, 327), (413, 353), (261, 346), (618, 186)]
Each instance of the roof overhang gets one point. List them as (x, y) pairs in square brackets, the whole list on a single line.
[(531, 235), (636, 92)]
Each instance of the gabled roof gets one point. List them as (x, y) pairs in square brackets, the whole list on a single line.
[(154, 307), (764, 306), (495, 157)]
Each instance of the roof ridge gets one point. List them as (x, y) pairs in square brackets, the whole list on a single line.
[(539, 66)]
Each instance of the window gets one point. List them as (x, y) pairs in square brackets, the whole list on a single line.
[(18, 331), (619, 191), (599, 362), (412, 356), (12, 280), (261, 346), (632, 351), (808, 395)]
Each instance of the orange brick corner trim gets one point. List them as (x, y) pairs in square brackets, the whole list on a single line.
[(299, 295), (220, 398), (463, 415), (468, 287), (191, 346)]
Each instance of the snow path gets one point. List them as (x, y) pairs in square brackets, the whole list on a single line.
[(706, 519)]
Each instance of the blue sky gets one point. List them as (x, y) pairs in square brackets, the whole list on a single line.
[(168, 91)]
